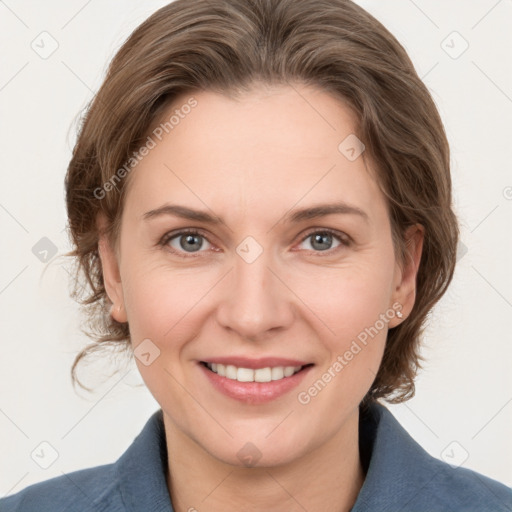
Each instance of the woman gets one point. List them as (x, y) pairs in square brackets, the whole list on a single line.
[(260, 197)]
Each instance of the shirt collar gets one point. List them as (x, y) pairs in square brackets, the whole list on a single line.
[(398, 468), (142, 469), (386, 451)]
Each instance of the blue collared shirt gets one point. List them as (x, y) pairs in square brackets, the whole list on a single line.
[(401, 476)]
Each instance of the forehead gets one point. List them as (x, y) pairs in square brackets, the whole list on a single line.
[(270, 146)]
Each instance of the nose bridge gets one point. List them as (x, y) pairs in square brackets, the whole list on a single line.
[(255, 300)]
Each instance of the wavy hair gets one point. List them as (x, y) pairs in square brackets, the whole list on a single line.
[(226, 47)]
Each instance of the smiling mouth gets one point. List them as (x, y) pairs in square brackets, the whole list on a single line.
[(267, 374)]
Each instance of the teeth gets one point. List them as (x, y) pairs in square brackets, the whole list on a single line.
[(249, 375), (277, 373), (244, 375), (289, 371), (231, 372), (262, 375)]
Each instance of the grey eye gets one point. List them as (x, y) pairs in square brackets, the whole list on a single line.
[(187, 242), (321, 240)]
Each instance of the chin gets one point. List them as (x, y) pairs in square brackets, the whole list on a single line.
[(252, 456), (256, 448)]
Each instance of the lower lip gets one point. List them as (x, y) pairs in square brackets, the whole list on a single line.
[(254, 392)]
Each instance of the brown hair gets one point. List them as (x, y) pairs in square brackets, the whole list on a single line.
[(227, 46)]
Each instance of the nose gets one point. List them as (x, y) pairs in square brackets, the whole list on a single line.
[(256, 299)]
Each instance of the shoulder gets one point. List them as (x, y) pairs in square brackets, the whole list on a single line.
[(457, 488), (403, 476), (115, 487), (86, 489)]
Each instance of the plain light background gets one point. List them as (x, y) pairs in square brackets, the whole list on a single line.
[(462, 411)]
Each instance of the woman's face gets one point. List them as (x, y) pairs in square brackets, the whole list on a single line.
[(260, 283)]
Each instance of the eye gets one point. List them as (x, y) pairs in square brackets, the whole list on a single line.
[(191, 241), (321, 240), (188, 241)]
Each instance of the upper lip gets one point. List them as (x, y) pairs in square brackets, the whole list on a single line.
[(262, 362)]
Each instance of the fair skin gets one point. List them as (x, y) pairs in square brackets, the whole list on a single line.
[(253, 162)]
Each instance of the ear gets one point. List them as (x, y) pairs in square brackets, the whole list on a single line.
[(405, 276), (111, 273)]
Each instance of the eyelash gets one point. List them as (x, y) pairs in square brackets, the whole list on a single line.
[(344, 239)]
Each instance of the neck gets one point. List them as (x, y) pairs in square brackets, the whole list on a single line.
[(328, 478)]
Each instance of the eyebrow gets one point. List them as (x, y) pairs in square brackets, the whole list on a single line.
[(294, 216)]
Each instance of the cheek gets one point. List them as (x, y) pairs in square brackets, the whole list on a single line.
[(163, 304), (162, 307), (356, 315), (352, 311), (348, 299)]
